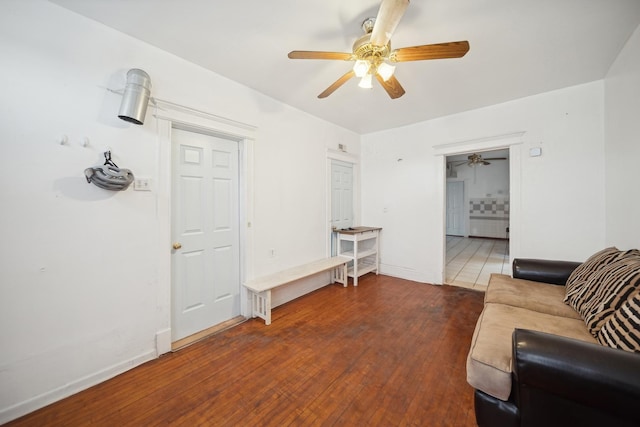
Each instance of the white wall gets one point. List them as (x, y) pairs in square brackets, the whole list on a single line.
[(622, 134), (82, 291), (561, 194)]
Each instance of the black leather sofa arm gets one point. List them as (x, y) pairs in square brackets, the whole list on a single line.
[(562, 381), (542, 270)]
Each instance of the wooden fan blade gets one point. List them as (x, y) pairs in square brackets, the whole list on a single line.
[(496, 158), (392, 86), (431, 51), (342, 80), (389, 16), (308, 54)]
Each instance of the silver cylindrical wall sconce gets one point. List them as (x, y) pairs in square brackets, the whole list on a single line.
[(136, 97)]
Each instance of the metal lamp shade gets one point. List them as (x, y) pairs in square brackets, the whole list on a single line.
[(136, 97)]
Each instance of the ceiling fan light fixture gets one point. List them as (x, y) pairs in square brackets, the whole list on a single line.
[(386, 70), (373, 55), (361, 67), (366, 82)]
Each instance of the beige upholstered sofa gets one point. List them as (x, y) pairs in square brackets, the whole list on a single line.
[(510, 304), (589, 322)]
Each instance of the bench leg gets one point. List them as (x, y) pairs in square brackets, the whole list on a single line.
[(339, 274), (261, 305), (267, 308), (254, 304)]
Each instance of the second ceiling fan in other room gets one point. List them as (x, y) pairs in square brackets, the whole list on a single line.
[(477, 160), (374, 57)]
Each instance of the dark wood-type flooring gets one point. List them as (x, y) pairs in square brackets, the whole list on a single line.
[(390, 352)]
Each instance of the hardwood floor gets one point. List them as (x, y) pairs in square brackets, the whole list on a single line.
[(390, 352)]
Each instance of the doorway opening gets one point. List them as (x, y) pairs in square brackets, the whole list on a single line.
[(477, 217), (511, 142)]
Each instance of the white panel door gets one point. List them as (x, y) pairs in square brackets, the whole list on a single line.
[(205, 232), (455, 208), (341, 194)]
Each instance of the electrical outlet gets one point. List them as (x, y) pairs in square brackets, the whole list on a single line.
[(142, 184)]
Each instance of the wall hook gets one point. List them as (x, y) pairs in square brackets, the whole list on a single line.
[(107, 159)]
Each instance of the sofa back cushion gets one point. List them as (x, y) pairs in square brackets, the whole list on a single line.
[(606, 288), (575, 289), (622, 329)]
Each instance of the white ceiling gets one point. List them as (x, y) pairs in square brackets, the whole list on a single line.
[(518, 48)]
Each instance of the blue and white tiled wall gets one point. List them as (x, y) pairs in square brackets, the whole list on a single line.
[(489, 217)]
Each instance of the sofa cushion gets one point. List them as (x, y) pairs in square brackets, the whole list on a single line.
[(535, 296), (608, 288), (612, 288), (576, 294), (622, 329), (489, 359)]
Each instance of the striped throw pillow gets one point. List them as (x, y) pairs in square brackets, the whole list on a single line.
[(622, 329), (576, 291), (609, 289)]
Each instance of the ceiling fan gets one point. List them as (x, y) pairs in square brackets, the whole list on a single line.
[(374, 57), (476, 160)]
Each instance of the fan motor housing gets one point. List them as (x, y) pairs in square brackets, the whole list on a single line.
[(363, 49)]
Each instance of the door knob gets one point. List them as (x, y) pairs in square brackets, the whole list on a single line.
[(177, 245)]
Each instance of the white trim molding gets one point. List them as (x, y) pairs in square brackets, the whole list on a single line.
[(73, 387), (169, 116), (479, 144), (197, 119), (513, 141)]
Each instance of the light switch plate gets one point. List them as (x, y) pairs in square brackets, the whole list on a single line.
[(142, 184)]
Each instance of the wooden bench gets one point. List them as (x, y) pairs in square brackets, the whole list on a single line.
[(260, 288)]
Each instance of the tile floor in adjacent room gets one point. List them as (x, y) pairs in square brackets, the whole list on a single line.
[(471, 260)]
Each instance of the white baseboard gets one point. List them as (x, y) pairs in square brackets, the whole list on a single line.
[(163, 341), (406, 273), (30, 405)]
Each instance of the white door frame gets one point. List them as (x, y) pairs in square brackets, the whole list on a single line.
[(513, 142), (168, 116), (347, 158)]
